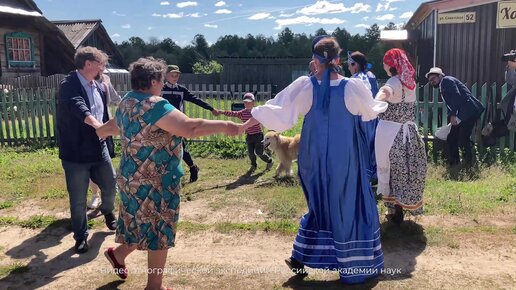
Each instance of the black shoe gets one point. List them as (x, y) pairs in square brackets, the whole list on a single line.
[(194, 173), (110, 221), (81, 246), (398, 216), (296, 267)]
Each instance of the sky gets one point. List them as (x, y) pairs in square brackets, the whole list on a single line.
[(182, 20)]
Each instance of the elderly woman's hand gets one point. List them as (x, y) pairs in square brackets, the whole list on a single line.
[(232, 128)]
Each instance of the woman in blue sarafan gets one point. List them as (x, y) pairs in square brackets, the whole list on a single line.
[(360, 69), (341, 230)]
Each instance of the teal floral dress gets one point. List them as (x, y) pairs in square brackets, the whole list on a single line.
[(149, 174)]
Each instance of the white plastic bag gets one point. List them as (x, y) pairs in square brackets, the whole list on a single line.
[(442, 132)]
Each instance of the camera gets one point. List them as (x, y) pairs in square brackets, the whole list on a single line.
[(510, 56)]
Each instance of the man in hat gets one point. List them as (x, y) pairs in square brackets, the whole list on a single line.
[(463, 112), (176, 94)]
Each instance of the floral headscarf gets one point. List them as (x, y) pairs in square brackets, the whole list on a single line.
[(397, 58)]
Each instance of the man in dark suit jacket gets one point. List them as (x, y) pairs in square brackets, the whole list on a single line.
[(463, 112), (82, 108)]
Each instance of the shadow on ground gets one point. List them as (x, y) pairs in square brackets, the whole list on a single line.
[(48, 271)]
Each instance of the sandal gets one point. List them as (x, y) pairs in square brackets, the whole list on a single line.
[(119, 269)]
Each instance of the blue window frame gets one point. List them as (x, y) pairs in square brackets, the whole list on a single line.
[(19, 50)]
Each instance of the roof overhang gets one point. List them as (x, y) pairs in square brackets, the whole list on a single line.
[(18, 11)]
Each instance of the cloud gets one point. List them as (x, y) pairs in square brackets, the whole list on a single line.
[(169, 15), (362, 25), (115, 35), (223, 11), (186, 4), (164, 3), (118, 14), (385, 17), (365, 18), (149, 28), (307, 20), (325, 7), (126, 26), (287, 15), (220, 4), (259, 16), (385, 5), (406, 14), (194, 15), (211, 25)]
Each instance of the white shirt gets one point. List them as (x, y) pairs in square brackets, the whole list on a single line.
[(282, 112), (395, 89), (94, 98)]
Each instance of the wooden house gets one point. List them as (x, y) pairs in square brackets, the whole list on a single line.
[(466, 38), (91, 33), (29, 43)]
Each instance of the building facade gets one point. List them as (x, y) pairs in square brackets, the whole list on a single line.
[(466, 38)]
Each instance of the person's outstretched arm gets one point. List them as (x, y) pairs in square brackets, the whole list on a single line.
[(188, 96), (177, 123)]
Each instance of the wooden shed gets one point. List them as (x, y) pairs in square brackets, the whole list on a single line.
[(466, 38), (29, 43), (91, 33), (278, 72)]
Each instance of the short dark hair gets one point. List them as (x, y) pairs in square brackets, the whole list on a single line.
[(88, 53), (146, 69)]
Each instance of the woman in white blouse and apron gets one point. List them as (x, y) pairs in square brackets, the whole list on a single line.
[(400, 151)]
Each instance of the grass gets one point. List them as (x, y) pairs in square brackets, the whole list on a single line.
[(55, 193), (37, 175), (495, 188), (6, 204), (16, 268), (26, 130)]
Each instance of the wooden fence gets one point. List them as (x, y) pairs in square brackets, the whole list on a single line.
[(27, 116)]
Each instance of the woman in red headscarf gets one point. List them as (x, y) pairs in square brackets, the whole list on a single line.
[(400, 151)]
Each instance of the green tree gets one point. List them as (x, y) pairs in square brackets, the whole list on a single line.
[(342, 36), (372, 35), (320, 31), (201, 46), (285, 37), (207, 68)]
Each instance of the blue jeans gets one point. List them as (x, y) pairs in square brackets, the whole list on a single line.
[(77, 181)]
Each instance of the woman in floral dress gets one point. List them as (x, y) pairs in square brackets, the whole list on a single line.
[(150, 168), (400, 151)]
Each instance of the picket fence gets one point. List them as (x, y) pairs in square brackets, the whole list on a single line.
[(27, 115)]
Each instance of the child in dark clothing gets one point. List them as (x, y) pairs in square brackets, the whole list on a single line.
[(254, 134)]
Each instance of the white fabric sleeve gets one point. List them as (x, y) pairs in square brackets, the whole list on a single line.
[(358, 101), (282, 112)]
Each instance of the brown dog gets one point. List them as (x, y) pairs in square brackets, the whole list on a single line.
[(286, 149)]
